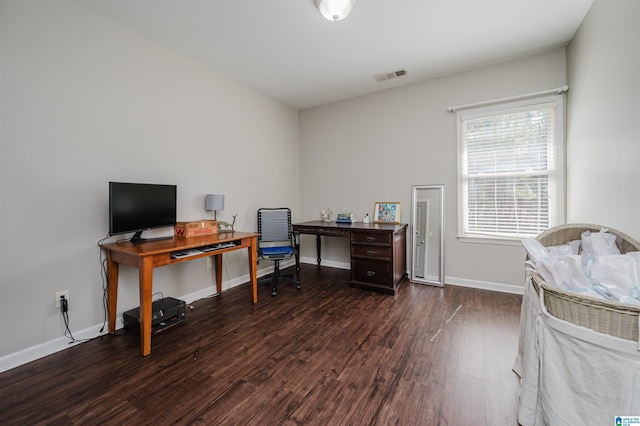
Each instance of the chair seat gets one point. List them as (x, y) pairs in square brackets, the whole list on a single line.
[(276, 251)]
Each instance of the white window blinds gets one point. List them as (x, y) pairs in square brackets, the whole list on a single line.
[(511, 177)]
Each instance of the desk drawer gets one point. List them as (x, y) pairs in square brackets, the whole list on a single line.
[(373, 252), (371, 271), (330, 232), (371, 238), (333, 232)]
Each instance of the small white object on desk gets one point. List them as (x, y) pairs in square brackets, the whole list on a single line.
[(366, 218)]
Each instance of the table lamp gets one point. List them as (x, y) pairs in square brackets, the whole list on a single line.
[(214, 202)]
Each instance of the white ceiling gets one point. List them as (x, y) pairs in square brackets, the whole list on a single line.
[(287, 50)]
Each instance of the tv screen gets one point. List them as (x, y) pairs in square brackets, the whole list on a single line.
[(136, 207)]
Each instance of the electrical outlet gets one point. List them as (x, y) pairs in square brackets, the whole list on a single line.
[(59, 294), (209, 262)]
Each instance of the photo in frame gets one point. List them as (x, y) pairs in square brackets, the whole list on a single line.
[(386, 212)]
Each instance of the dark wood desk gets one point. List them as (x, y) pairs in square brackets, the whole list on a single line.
[(152, 254), (378, 251)]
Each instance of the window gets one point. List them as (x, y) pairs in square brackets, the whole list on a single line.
[(511, 169)]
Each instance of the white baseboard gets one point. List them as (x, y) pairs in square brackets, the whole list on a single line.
[(33, 353), (485, 285), (58, 344), (462, 282), (330, 263)]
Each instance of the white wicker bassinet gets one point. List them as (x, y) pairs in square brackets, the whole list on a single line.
[(615, 319)]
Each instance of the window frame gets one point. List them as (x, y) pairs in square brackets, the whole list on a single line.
[(557, 182)]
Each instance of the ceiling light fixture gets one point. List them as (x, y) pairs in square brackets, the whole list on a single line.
[(335, 10)]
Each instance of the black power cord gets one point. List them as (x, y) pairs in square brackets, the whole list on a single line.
[(64, 303), (64, 311), (104, 275)]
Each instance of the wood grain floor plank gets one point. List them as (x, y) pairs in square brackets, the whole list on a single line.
[(328, 354)]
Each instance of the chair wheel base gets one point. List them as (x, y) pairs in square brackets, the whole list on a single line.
[(276, 278)]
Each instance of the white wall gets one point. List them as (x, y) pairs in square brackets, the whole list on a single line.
[(373, 148), (83, 102), (603, 138)]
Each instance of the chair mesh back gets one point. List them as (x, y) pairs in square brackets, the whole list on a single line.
[(274, 225)]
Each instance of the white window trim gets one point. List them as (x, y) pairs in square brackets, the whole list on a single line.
[(560, 168)]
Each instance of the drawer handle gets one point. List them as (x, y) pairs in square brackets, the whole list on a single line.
[(371, 238), (371, 253), (371, 273)]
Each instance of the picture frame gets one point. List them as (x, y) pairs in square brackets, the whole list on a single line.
[(387, 212)]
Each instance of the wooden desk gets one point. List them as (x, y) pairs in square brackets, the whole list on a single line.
[(378, 251), (152, 254)]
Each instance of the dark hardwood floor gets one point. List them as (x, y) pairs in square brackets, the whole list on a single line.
[(326, 355)]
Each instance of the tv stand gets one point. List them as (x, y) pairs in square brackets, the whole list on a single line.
[(153, 254)]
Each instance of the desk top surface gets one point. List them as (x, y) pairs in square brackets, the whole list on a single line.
[(177, 243), (356, 225)]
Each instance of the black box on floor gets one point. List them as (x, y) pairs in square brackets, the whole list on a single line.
[(166, 313)]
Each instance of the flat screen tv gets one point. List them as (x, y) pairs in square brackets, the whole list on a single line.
[(137, 207)]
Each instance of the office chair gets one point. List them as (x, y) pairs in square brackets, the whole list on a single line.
[(275, 243)]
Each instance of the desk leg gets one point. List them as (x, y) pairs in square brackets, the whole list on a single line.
[(319, 248), (145, 271), (296, 243), (253, 269), (217, 258), (112, 288)]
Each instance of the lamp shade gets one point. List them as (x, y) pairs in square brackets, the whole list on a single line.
[(335, 10), (214, 202)]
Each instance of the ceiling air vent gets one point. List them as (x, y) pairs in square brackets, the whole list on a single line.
[(389, 75)]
